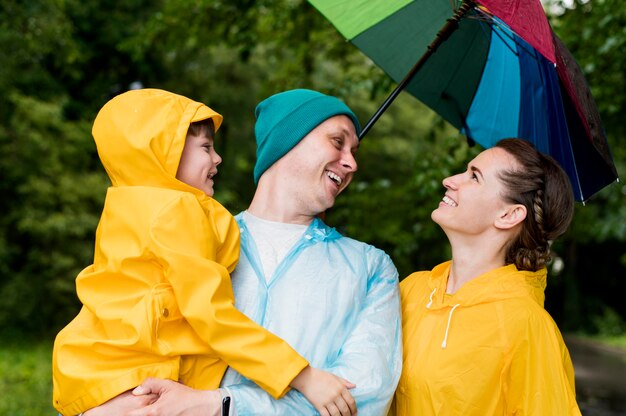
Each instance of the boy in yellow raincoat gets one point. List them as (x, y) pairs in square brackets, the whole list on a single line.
[(157, 300)]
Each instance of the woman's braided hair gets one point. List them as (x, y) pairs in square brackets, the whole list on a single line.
[(545, 190)]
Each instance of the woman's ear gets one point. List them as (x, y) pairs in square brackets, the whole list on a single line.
[(510, 216)]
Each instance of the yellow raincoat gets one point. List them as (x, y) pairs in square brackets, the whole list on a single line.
[(489, 349), (157, 300)]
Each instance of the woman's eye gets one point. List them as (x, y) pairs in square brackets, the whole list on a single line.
[(474, 177), (338, 141)]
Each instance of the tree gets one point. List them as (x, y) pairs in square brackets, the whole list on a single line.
[(62, 60), (595, 247)]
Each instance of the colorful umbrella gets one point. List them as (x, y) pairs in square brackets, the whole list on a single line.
[(492, 68)]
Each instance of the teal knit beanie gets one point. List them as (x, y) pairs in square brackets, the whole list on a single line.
[(284, 119)]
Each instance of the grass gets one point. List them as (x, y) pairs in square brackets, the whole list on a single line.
[(25, 378), (618, 341)]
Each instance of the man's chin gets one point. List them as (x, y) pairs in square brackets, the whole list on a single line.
[(325, 205)]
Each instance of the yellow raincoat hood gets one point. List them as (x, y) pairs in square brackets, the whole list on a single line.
[(140, 136), (488, 349)]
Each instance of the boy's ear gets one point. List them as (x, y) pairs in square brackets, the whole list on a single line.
[(510, 216)]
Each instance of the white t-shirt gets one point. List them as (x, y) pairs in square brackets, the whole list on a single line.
[(273, 240)]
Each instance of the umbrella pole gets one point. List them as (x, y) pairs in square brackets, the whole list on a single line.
[(451, 25)]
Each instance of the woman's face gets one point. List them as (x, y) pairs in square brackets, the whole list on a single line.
[(473, 201)]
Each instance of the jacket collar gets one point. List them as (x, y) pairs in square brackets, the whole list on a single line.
[(501, 283), (316, 232)]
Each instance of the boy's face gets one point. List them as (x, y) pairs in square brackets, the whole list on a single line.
[(198, 163)]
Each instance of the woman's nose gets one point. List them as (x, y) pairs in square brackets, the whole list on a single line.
[(450, 182)]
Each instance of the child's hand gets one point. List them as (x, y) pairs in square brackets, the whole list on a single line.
[(327, 393)]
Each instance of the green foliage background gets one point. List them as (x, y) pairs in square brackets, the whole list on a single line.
[(61, 60)]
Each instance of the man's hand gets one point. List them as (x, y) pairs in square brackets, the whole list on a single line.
[(122, 404), (175, 399), (327, 393)]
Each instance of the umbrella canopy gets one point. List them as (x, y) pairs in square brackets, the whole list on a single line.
[(492, 68)]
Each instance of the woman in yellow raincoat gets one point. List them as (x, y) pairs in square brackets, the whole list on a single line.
[(477, 339), (157, 300)]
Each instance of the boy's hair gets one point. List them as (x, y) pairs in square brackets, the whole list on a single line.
[(202, 128)]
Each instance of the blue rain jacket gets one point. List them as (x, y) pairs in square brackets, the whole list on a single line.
[(336, 301)]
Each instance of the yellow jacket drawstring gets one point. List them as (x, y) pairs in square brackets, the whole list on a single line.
[(429, 304), (431, 298), (445, 338)]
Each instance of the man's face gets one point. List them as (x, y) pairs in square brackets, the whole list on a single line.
[(198, 163), (321, 166)]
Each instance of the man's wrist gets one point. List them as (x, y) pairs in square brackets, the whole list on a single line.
[(227, 404)]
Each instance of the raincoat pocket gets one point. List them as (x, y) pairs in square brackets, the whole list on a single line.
[(166, 317), (172, 334)]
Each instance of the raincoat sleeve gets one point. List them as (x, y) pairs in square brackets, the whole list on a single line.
[(203, 291), (370, 357), (541, 376), (228, 250)]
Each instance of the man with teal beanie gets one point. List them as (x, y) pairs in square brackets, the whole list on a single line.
[(332, 298)]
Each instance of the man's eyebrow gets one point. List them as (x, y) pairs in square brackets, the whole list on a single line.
[(343, 131)]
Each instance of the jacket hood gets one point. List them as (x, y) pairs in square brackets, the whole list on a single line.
[(502, 283), (140, 136)]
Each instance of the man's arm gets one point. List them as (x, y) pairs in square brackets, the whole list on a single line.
[(370, 357), (372, 354)]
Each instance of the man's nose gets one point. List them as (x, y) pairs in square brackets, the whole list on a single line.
[(349, 162)]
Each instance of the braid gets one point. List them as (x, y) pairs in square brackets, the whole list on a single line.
[(543, 188), (538, 208), (543, 246), (530, 250)]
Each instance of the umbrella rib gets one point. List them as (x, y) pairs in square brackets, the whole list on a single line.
[(503, 30), (501, 34)]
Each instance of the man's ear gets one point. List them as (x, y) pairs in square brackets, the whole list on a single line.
[(510, 216)]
